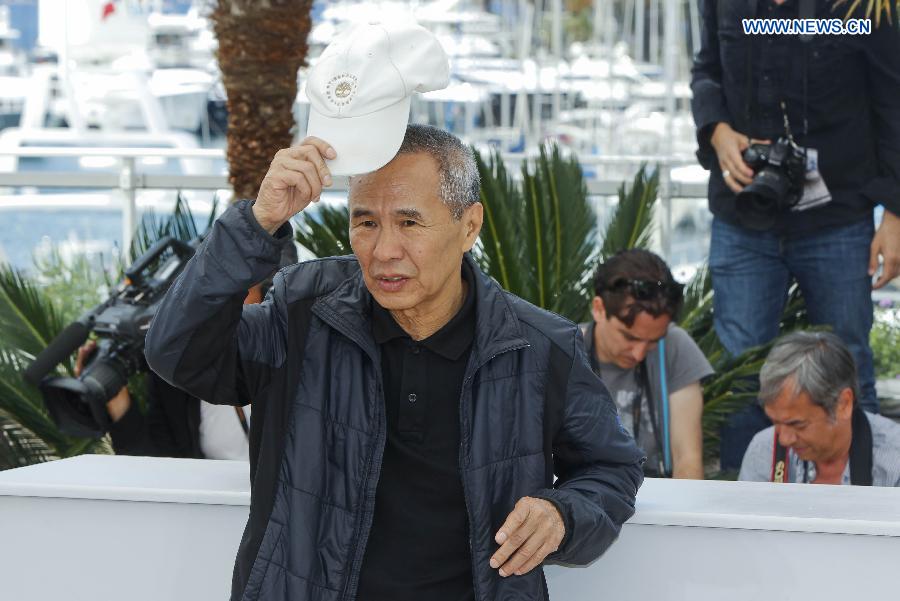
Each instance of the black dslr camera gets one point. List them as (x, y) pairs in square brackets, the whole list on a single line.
[(777, 186), (78, 405)]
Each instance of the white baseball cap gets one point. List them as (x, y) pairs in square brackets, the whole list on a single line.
[(359, 91)]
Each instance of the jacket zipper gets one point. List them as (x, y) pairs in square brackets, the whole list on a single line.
[(364, 522), (463, 452)]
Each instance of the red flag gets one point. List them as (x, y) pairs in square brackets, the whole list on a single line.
[(108, 9)]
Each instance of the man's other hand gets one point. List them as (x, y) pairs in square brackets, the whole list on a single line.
[(532, 531), (730, 146), (119, 404), (887, 244), (295, 179)]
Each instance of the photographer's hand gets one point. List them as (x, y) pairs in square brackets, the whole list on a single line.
[(886, 243), (729, 146), (119, 404), (295, 178)]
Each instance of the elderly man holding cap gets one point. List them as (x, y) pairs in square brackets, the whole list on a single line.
[(408, 414)]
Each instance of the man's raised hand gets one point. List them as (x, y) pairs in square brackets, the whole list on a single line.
[(295, 179)]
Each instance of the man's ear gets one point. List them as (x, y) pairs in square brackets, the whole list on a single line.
[(473, 219), (844, 408), (598, 310)]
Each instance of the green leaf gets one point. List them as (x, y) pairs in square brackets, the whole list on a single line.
[(324, 231), (539, 237), (630, 224), (28, 320), (498, 252), (19, 447)]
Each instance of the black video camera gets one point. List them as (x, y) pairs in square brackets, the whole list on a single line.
[(78, 405), (780, 170)]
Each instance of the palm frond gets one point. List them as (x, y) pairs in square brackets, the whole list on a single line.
[(22, 403), (878, 7), (538, 238), (28, 320), (181, 225), (504, 223), (78, 281), (325, 231), (19, 447), (568, 229), (629, 226)]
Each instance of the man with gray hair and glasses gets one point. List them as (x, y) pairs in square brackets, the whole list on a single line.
[(809, 389)]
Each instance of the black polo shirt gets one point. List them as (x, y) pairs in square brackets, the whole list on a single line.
[(418, 547)]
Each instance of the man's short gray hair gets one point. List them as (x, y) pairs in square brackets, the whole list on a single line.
[(817, 363), (460, 184)]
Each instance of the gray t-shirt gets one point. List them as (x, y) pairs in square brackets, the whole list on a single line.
[(685, 364), (757, 463)]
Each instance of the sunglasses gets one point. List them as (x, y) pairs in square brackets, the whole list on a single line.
[(645, 290)]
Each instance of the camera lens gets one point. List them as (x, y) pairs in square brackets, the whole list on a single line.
[(759, 203), (79, 405)]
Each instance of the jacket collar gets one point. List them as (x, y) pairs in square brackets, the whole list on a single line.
[(348, 308)]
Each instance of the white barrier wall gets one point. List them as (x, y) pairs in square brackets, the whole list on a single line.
[(99, 528)]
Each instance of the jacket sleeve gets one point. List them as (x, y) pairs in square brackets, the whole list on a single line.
[(708, 101), (882, 54), (597, 463), (203, 339)]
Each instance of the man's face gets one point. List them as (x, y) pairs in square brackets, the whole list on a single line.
[(623, 345), (406, 240), (806, 427)]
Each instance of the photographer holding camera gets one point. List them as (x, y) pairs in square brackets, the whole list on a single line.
[(173, 425), (802, 138), (97, 401)]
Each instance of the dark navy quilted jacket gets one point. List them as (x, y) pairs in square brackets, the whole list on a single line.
[(307, 360)]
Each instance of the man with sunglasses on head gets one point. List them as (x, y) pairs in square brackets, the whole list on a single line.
[(651, 367)]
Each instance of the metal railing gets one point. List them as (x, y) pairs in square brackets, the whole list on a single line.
[(127, 178)]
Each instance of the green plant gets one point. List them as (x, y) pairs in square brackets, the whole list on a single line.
[(539, 235), (325, 231), (885, 342), (29, 320), (77, 281)]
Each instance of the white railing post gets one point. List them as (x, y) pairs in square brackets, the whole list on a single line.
[(127, 186)]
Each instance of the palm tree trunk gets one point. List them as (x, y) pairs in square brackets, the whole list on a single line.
[(262, 44)]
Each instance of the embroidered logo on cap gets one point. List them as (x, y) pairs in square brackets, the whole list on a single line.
[(341, 89)]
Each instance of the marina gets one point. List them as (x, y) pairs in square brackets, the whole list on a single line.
[(143, 78)]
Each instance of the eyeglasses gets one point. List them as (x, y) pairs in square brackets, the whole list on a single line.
[(645, 290)]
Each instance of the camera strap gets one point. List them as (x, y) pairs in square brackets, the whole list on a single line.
[(643, 390), (242, 418), (860, 454), (806, 10), (750, 100)]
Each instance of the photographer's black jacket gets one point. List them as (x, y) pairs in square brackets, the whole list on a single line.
[(171, 427), (308, 359), (853, 101)]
